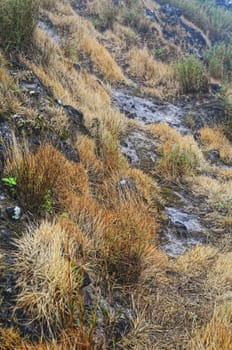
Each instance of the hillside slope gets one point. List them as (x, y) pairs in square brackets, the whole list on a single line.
[(116, 175)]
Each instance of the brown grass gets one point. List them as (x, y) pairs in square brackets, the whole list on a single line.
[(217, 334), (217, 190), (77, 338), (127, 233), (86, 38), (154, 73), (9, 102), (42, 183), (214, 139), (56, 255)]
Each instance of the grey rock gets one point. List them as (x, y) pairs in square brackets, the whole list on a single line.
[(14, 213)]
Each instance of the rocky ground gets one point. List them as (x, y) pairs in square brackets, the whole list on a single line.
[(170, 303)]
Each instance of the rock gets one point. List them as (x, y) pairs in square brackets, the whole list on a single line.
[(213, 156), (76, 119), (151, 15), (121, 328), (14, 213), (170, 11), (225, 3), (58, 102), (86, 280), (127, 185), (214, 87), (182, 220), (68, 150), (77, 66)]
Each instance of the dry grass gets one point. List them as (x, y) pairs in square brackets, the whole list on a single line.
[(196, 260), (220, 277), (9, 102), (81, 90), (42, 183), (214, 139), (217, 190), (154, 73), (49, 256), (81, 31), (127, 233), (180, 155), (76, 338), (216, 335)]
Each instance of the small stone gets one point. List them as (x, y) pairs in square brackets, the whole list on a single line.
[(121, 328), (86, 279), (58, 102), (14, 213)]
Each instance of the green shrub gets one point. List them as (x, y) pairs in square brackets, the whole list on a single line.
[(17, 22), (177, 161), (190, 74), (219, 61)]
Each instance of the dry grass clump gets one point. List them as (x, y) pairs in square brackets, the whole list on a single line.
[(214, 139), (180, 155), (77, 338), (216, 335), (127, 233), (84, 34), (154, 73), (44, 50), (49, 280), (10, 339), (45, 178), (217, 191), (220, 277), (126, 34), (196, 260), (9, 102)]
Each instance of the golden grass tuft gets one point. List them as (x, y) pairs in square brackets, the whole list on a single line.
[(196, 260), (218, 191), (153, 72), (44, 179), (214, 139), (10, 339), (49, 256), (220, 277), (127, 233), (216, 335), (85, 36), (9, 102)]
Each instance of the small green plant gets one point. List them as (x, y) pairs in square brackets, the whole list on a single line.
[(159, 52), (189, 121), (223, 205), (64, 215), (194, 319), (177, 161), (190, 73), (48, 204), (10, 183)]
